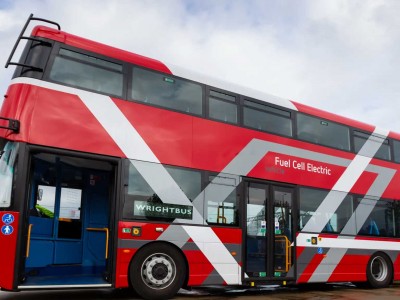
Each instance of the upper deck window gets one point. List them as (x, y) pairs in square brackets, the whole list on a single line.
[(361, 138), (267, 118), (323, 132), (87, 72), (396, 147), (223, 107), (167, 91)]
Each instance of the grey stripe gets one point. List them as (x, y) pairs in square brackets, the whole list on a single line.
[(175, 234), (213, 278), (304, 259), (132, 244), (328, 265)]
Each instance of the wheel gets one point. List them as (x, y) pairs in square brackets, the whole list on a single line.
[(379, 271), (154, 272)]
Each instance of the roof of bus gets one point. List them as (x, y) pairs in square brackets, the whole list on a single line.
[(99, 48)]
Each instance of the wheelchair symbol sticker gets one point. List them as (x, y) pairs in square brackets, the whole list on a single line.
[(7, 229), (8, 219)]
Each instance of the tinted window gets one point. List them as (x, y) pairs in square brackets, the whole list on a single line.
[(381, 217), (167, 91), (223, 107), (141, 201), (311, 199), (396, 147), (222, 200), (323, 132), (87, 72), (266, 118), (8, 169), (360, 138)]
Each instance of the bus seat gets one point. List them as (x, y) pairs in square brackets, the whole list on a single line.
[(373, 228), (328, 227)]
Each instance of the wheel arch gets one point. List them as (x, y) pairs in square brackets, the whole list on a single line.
[(388, 259), (169, 244)]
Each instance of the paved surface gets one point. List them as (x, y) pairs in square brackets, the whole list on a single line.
[(314, 292)]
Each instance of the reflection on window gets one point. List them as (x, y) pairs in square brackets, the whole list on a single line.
[(70, 205), (223, 107), (7, 162), (141, 201), (45, 202), (221, 200), (266, 118), (255, 218), (396, 147), (167, 91), (360, 138), (323, 132), (311, 199), (87, 72), (381, 217), (283, 213)]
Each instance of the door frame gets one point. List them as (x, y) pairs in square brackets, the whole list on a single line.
[(271, 186), (114, 206)]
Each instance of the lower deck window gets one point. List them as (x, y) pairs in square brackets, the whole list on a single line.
[(332, 221), (147, 197)]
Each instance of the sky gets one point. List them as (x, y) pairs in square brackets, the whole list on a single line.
[(342, 56)]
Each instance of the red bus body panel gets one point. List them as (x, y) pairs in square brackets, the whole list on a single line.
[(8, 251)]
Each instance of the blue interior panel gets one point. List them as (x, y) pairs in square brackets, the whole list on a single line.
[(46, 250), (68, 252)]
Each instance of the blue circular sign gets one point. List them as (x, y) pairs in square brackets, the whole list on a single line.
[(8, 219), (7, 229)]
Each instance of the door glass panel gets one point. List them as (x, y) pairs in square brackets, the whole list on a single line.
[(70, 225), (256, 231), (283, 228), (70, 204), (45, 202)]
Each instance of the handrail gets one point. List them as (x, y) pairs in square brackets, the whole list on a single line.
[(21, 37), (28, 244), (288, 255), (107, 231)]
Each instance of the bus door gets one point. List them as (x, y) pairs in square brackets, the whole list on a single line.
[(269, 232), (68, 232)]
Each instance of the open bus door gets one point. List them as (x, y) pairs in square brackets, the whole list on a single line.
[(68, 240), (269, 235)]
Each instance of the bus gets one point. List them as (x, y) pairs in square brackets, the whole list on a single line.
[(120, 171)]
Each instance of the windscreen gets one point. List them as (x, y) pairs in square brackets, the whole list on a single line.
[(7, 163)]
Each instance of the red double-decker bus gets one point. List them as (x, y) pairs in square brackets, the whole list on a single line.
[(120, 171)]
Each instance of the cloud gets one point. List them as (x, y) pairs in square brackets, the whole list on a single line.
[(338, 55)]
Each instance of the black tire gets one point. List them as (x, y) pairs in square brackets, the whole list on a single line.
[(157, 271), (379, 271)]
